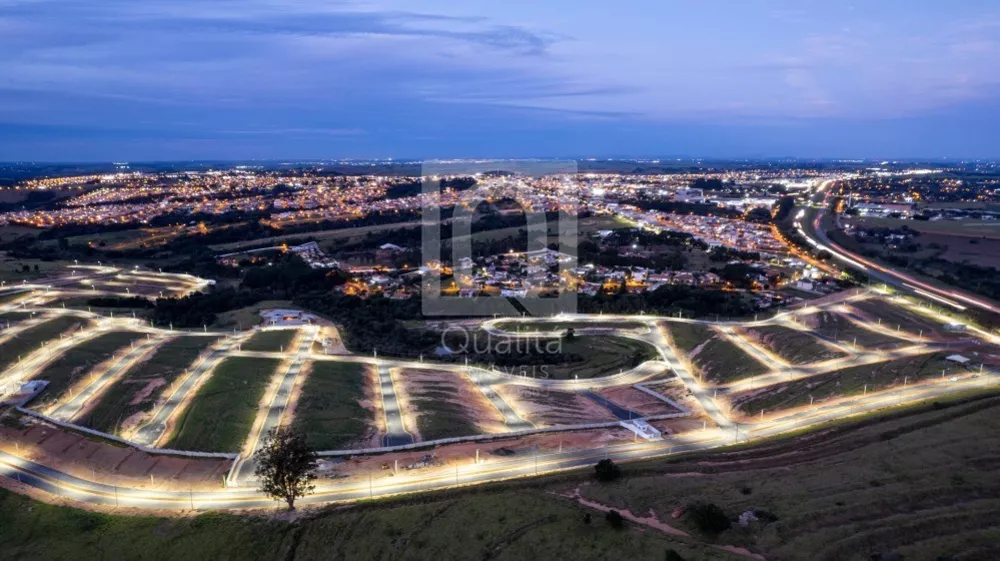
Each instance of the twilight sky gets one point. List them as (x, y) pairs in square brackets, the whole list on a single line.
[(201, 79)]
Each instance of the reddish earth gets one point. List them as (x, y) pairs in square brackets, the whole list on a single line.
[(546, 407), (87, 458)]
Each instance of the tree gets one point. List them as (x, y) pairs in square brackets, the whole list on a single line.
[(709, 518), (286, 465), (615, 519), (607, 470), (672, 555), (570, 334)]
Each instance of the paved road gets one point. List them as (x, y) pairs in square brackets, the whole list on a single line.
[(279, 401), (811, 229), (72, 408), (150, 433), (395, 430)]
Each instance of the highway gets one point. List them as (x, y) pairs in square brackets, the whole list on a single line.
[(809, 225)]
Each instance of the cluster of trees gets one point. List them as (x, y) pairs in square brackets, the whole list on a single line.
[(671, 299)]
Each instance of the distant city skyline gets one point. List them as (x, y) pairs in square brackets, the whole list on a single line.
[(174, 80)]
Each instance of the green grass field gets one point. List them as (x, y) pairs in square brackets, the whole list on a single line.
[(272, 341), (30, 340), (715, 358), (601, 356), (12, 270), (77, 362), (921, 485), (328, 411), (838, 327), (894, 316), (249, 316), (796, 347), (222, 413), (853, 381), (12, 318), (440, 413), (165, 365), (511, 526)]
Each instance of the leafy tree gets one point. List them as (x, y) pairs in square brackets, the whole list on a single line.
[(615, 519), (709, 518), (286, 465), (672, 555), (607, 470)]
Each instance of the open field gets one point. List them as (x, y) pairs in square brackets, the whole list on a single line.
[(12, 270), (640, 402), (30, 340), (849, 382), (978, 228), (922, 486), (445, 404), (506, 526), (546, 407), (796, 347), (12, 318), (139, 389), (582, 356), (249, 316), (335, 409), (712, 355), (271, 341), (839, 328), (78, 361), (223, 410), (894, 316)]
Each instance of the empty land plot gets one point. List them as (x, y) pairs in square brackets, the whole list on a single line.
[(127, 400), (836, 326), (335, 409), (716, 358), (638, 401), (31, 339), (13, 317), (223, 410), (895, 316), (545, 407), (12, 295), (75, 363), (271, 341), (849, 382), (446, 404), (796, 347)]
